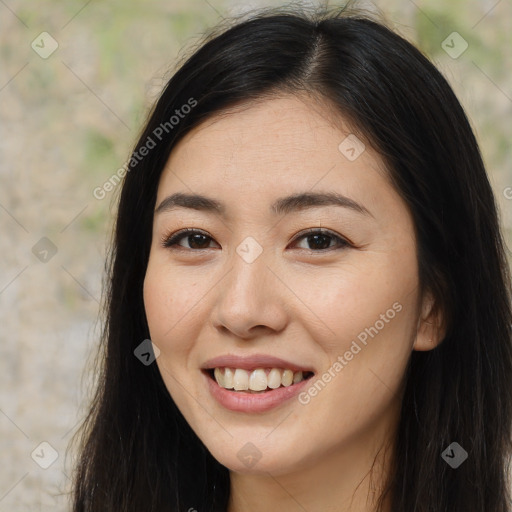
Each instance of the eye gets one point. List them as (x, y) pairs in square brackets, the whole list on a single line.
[(198, 240), (319, 240)]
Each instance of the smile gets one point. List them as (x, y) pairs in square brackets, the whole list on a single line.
[(250, 400), (260, 380)]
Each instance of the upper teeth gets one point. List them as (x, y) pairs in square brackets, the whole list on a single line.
[(257, 380)]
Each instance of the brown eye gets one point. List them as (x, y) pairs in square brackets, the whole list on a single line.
[(320, 240), (196, 239)]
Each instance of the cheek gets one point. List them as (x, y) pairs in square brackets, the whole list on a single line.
[(365, 315), (157, 304), (342, 303), (364, 368), (169, 307), (172, 322)]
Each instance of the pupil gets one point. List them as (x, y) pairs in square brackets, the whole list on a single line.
[(195, 237), (318, 245)]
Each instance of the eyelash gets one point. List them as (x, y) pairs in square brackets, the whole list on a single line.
[(170, 240)]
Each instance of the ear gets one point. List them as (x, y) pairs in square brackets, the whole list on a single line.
[(430, 331)]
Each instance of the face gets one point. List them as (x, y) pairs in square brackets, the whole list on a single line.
[(264, 286)]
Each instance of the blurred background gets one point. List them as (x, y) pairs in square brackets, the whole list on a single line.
[(76, 81)]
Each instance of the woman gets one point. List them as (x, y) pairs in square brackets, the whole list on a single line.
[(307, 235)]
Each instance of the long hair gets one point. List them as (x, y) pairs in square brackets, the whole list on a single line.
[(137, 452)]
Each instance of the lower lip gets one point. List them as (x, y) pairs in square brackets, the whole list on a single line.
[(253, 402)]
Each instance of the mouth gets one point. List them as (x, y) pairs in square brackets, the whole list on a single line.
[(256, 381)]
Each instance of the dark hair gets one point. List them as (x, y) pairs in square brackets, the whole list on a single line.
[(137, 452)]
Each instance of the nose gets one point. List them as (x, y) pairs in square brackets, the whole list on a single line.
[(251, 299)]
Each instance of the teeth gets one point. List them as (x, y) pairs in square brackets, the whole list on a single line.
[(287, 378), (257, 380), (241, 380), (228, 378), (219, 377), (274, 378)]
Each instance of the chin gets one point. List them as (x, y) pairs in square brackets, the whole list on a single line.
[(257, 460)]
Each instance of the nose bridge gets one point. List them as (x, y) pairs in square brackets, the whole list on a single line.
[(247, 281), (248, 296)]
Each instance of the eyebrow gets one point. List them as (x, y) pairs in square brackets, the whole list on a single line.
[(281, 206)]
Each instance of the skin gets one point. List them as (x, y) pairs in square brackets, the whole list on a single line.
[(295, 301)]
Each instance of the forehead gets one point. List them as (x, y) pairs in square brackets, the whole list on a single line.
[(277, 142)]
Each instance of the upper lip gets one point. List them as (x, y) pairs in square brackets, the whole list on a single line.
[(253, 362)]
